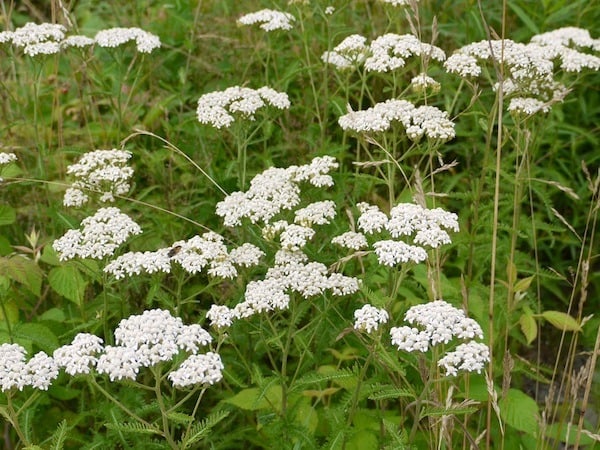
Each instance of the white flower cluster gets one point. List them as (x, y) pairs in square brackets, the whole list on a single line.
[(530, 68), (351, 52), (104, 171), (527, 106), (193, 255), (150, 338), (385, 53), (142, 341), (269, 19), (351, 240), (317, 213), (399, 2), (136, 263), (48, 39), (114, 37), (80, 355), (273, 191), (219, 108), (292, 273), (419, 121), (390, 51), (6, 158), (439, 323), (198, 369), (15, 373), (368, 318), (427, 227), (101, 235), (36, 39), (423, 83)]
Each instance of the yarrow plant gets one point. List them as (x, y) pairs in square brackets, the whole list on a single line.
[(219, 109), (48, 39), (101, 171), (306, 313), (530, 68), (441, 322), (427, 121), (100, 236), (269, 20)]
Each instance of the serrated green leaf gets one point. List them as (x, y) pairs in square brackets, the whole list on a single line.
[(519, 411), (22, 270), (561, 320), (132, 427), (8, 215), (390, 393), (203, 428), (528, 327), (253, 399), (178, 417), (67, 281), (38, 334), (11, 309), (49, 256)]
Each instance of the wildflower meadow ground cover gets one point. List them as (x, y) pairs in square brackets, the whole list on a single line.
[(363, 224)]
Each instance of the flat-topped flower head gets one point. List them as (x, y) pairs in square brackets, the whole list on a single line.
[(439, 322), (273, 191), (80, 355), (220, 109), (31, 34), (114, 37), (469, 357), (136, 263), (371, 219), (198, 370), (423, 83), (351, 240), (567, 36), (399, 2), (7, 158), (524, 107), (104, 172), (12, 367), (157, 336), (100, 236), (269, 19), (368, 318), (419, 121), (390, 52), (392, 253), (349, 53)]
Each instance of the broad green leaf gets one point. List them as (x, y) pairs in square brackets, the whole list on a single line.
[(67, 281), (251, 398), (12, 312), (561, 320), (528, 327), (22, 270), (560, 432), (519, 411), (49, 256), (53, 315), (5, 247), (38, 334), (363, 440), (8, 215)]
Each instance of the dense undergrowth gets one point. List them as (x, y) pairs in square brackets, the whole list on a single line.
[(362, 225)]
